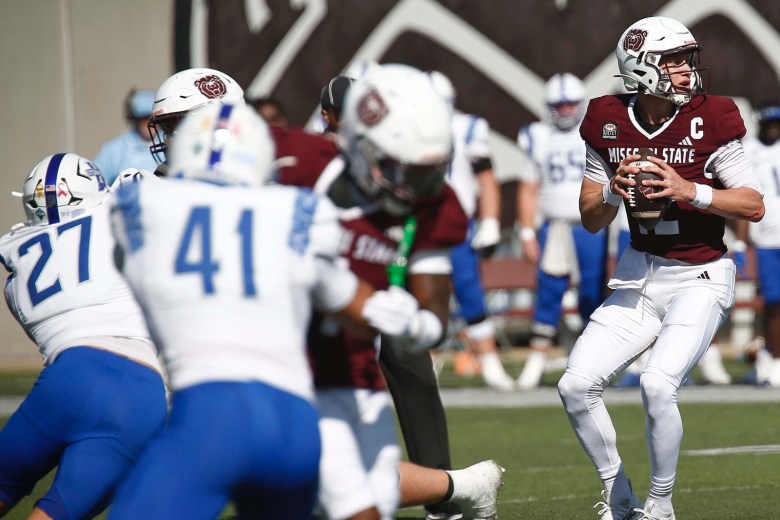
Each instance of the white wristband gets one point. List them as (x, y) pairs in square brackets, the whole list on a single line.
[(738, 246), (613, 199), (527, 233), (703, 197), (424, 331)]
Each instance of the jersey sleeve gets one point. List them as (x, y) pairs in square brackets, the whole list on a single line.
[(336, 284), (525, 140), (478, 145), (730, 125), (303, 156)]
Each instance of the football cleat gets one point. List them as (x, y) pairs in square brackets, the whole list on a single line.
[(476, 489), (619, 508), (651, 512), (443, 511)]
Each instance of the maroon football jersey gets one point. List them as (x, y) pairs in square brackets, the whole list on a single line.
[(370, 243), (686, 143)]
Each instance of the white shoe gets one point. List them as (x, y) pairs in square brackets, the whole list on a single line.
[(712, 370), (764, 362), (476, 489), (774, 373), (493, 373), (533, 370), (651, 512), (618, 508)]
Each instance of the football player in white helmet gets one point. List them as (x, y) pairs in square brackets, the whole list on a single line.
[(240, 265), (565, 252), (471, 176), (100, 396), (645, 45), (674, 285), (183, 92)]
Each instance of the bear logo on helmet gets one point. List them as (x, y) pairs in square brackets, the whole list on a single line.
[(371, 109), (211, 86), (634, 40)]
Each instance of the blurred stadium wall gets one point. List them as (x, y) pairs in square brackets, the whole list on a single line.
[(68, 64)]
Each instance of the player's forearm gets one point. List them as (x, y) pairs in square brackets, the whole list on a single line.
[(526, 204), (735, 203), (490, 196), (594, 212)]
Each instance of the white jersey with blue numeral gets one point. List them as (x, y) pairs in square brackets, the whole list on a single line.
[(65, 290), (558, 165), (766, 164), (227, 276), (470, 139)]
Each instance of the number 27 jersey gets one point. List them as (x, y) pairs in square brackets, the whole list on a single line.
[(64, 288)]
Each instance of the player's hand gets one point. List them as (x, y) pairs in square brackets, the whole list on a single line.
[(619, 183), (391, 312), (674, 186), (531, 249), (487, 237)]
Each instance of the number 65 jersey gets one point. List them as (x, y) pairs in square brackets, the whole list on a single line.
[(65, 290), (227, 276)]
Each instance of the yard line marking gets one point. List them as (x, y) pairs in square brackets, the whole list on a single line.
[(768, 448)]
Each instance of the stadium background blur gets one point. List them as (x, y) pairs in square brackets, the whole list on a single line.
[(68, 64)]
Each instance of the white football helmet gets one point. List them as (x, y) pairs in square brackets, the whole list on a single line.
[(561, 93), (61, 187), (639, 53), (443, 86), (397, 136), (224, 144), (185, 91)]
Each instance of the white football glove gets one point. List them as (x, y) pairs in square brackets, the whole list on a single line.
[(488, 234), (395, 312)]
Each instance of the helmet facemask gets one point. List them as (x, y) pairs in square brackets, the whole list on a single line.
[(665, 87), (399, 186)]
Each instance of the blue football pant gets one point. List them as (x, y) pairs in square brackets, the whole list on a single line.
[(242, 441), (591, 253), (89, 414), (466, 282)]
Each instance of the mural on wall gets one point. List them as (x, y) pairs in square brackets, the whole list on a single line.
[(498, 54)]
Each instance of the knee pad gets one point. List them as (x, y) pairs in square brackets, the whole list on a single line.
[(577, 393), (658, 393)]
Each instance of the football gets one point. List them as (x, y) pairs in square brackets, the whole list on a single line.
[(647, 212)]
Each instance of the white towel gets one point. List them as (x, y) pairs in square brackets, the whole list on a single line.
[(560, 257)]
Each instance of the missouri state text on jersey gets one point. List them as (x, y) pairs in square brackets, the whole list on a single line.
[(687, 143)]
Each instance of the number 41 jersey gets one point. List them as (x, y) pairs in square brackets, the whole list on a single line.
[(227, 275), (65, 290)]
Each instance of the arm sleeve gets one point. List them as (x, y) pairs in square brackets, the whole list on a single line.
[(430, 262), (731, 166), (336, 285), (595, 168), (478, 144)]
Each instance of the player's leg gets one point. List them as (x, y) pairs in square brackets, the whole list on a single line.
[(125, 408), (480, 331), (592, 259), (283, 463), (187, 471), (412, 383), (768, 267), (693, 317), (346, 490), (617, 333)]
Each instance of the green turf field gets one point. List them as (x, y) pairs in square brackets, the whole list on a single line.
[(549, 477)]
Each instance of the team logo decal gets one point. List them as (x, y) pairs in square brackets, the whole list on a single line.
[(609, 131), (211, 86), (646, 190), (634, 40), (371, 109)]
